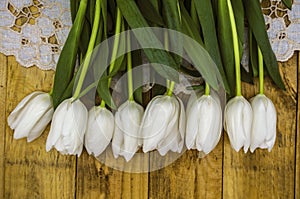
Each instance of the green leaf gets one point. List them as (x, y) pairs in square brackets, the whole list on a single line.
[(225, 43), (121, 48), (74, 4), (135, 19), (85, 37), (239, 16), (67, 59), (104, 92), (246, 76), (288, 3), (150, 12), (91, 11), (253, 54), (155, 4), (172, 18), (206, 18), (203, 62), (188, 25), (104, 17), (193, 73), (137, 61), (257, 25)]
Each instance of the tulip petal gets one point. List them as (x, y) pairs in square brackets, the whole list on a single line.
[(99, 130), (271, 123), (32, 114), (15, 117), (238, 121), (192, 125), (155, 121), (57, 125), (40, 125)]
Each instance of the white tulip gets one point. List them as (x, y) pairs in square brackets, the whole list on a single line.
[(263, 133), (99, 131), (204, 123), (163, 125), (68, 127), (31, 116), (127, 124), (238, 121)]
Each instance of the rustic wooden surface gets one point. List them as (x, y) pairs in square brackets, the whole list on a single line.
[(27, 171)]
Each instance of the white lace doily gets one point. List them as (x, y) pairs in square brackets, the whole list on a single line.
[(34, 31), (283, 27)]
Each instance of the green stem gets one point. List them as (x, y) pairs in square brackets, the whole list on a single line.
[(171, 88), (235, 49), (170, 84), (261, 71), (115, 48), (51, 92), (89, 50), (207, 89), (129, 71)]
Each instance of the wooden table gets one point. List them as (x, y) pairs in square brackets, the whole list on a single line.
[(28, 171)]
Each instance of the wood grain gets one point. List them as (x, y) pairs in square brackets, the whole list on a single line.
[(263, 174), (190, 176), (30, 172), (27, 171), (297, 172), (3, 80), (97, 180)]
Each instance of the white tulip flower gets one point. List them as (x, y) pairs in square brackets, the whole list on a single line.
[(204, 123), (163, 125), (68, 127), (238, 121), (127, 124), (263, 133), (99, 131), (31, 116)]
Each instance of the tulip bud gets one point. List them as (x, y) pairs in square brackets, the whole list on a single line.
[(127, 124), (263, 133), (68, 128), (99, 130), (31, 116), (163, 125), (204, 123), (238, 121)]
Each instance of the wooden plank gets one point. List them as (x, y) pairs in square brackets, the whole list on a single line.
[(106, 177), (97, 180), (263, 174), (30, 172), (190, 176), (3, 75), (297, 173)]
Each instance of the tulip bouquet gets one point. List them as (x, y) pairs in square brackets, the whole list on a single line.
[(208, 34)]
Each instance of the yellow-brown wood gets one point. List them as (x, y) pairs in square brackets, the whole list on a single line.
[(27, 171), (95, 180), (297, 182), (3, 74), (191, 176), (262, 174)]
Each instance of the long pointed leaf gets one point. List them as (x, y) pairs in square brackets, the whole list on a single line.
[(257, 25), (239, 16), (206, 18), (225, 42), (67, 59), (172, 18), (150, 12), (135, 19)]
